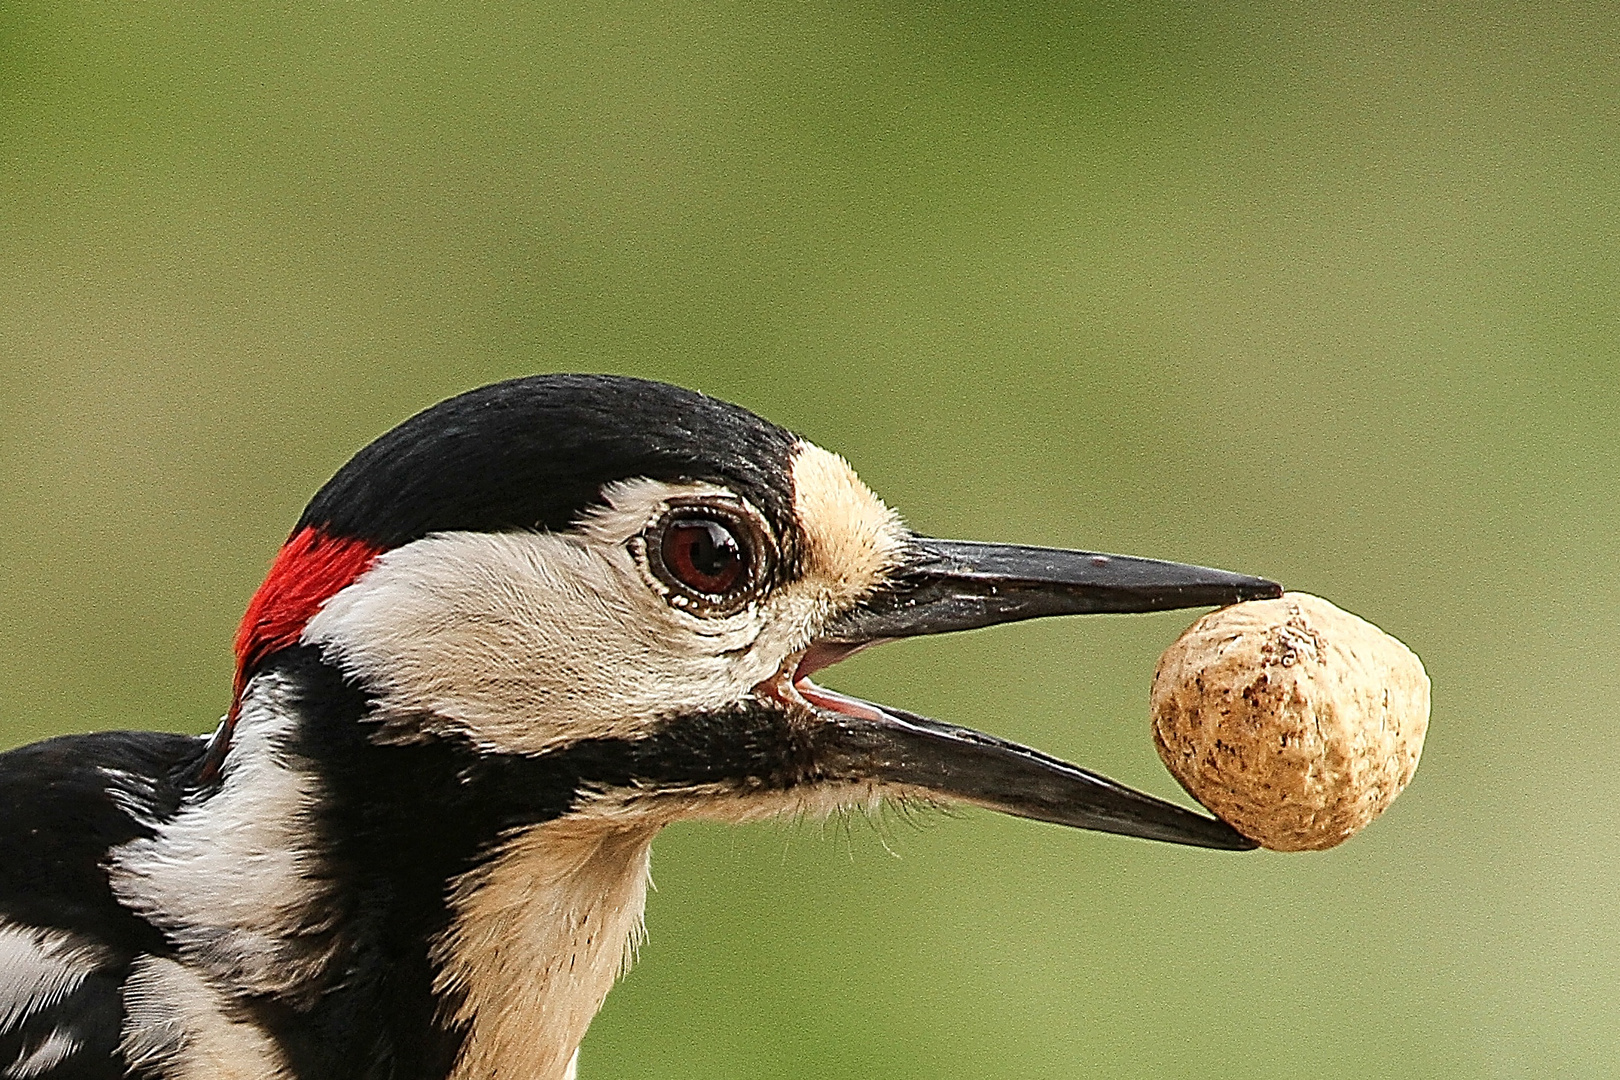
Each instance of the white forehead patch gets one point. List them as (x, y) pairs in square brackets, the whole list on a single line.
[(852, 540)]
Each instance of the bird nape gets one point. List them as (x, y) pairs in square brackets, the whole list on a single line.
[(506, 644)]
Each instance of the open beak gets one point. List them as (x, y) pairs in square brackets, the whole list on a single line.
[(949, 585)]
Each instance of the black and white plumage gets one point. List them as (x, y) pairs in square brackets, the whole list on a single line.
[(504, 645)]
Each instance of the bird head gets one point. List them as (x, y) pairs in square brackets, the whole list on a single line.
[(646, 578)]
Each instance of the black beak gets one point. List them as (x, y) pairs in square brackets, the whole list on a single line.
[(960, 585)]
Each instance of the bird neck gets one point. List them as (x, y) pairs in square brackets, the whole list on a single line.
[(517, 916), (432, 906), (539, 933)]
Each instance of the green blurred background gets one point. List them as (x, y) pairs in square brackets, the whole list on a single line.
[(1323, 292)]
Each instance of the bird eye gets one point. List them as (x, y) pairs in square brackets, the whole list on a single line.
[(706, 557)]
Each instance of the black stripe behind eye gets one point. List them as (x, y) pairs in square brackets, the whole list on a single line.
[(749, 747), (447, 788)]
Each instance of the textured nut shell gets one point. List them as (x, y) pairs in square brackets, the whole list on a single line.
[(1295, 721)]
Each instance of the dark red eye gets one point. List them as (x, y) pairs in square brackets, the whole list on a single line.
[(704, 554)]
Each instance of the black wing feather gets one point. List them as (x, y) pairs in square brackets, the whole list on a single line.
[(58, 820)]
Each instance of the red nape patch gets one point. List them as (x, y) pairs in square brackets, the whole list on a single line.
[(307, 572)]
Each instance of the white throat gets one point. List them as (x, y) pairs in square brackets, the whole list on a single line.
[(539, 934)]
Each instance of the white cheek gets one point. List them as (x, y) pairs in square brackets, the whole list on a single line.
[(527, 641)]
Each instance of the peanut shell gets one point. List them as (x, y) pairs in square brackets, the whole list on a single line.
[(1294, 721)]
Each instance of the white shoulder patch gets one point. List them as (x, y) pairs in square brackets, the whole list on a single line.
[(231, 877), (51, 1051), (177, 1026), (134, 794), (38, 968)]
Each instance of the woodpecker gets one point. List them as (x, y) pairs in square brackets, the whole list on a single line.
[(505, 645)]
